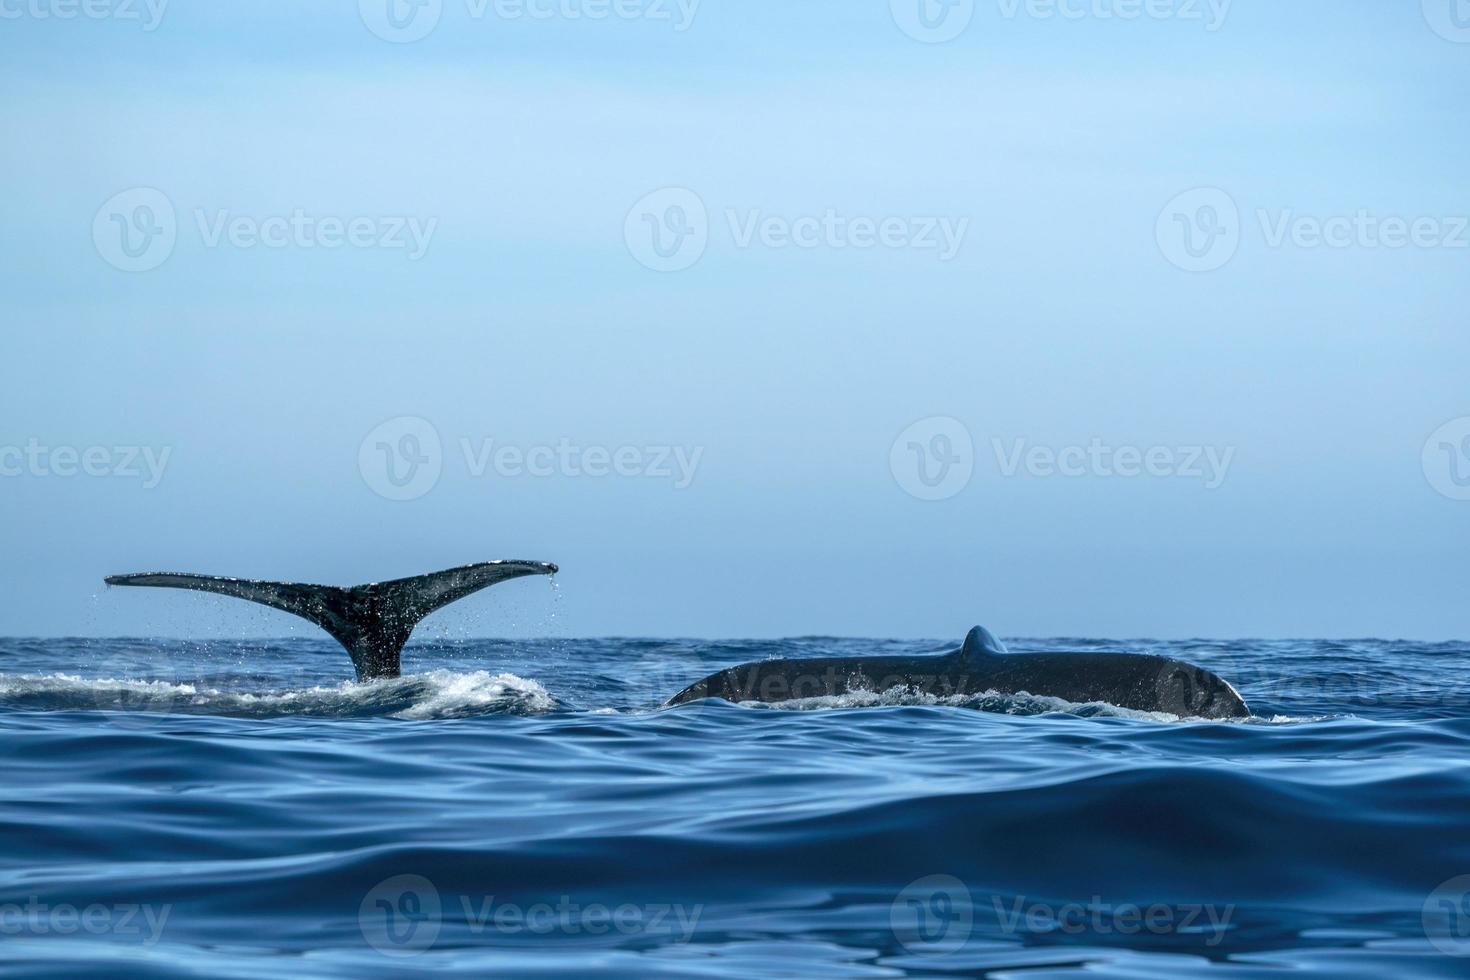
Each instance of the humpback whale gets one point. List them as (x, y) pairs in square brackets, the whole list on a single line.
[(372, 621), (1138, 681)]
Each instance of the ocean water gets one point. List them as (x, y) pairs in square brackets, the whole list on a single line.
[(184, 809)]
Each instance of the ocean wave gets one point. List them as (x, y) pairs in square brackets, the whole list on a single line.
[(274, 811)]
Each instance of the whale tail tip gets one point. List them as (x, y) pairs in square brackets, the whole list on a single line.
[(372, 622)]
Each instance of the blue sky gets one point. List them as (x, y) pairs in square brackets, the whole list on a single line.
[(1063, 150)]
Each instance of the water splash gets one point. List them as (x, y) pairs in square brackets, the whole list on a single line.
[(436, 694)]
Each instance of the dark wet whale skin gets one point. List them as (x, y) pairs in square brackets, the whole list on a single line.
[(1142, 682)]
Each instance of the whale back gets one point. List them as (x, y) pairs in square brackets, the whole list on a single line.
[(980, 642)]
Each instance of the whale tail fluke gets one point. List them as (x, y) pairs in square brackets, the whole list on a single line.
[(373, 621)]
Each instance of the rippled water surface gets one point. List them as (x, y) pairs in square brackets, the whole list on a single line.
[(527, 808)]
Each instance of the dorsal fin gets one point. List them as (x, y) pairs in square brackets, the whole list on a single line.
[(981, 642)]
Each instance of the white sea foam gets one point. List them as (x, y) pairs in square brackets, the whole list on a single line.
[(990, 701), (435, 694), (452, 695)]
